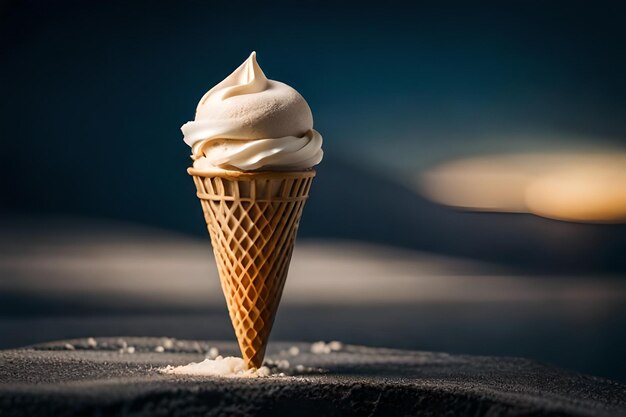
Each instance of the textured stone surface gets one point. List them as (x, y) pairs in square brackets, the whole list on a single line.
[(80, 377)]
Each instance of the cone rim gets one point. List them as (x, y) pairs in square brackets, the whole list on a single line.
[(252, 174)]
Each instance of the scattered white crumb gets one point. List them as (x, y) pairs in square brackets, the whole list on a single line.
[(91, 342), (281, 374), (294, 351), (159, 349), (229, 367), (282, 364), (299, 368), (168, 343), (69, 347), (213, 353), (321, 348), (125, 348), (335, 345)]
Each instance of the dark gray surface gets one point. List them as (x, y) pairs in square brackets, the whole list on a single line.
[(51, 379)]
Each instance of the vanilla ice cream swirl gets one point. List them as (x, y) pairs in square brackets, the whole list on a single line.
[(250, 123)]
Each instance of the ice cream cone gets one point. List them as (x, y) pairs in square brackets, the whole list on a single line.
[(252, 219)]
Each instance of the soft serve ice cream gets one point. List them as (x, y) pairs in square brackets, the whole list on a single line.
[(250, 123)]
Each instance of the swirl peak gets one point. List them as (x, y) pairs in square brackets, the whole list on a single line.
[(247, 79)]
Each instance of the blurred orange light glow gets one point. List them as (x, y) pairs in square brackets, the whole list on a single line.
[(575, 187)]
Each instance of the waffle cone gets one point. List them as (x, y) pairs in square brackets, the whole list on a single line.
[(252, 220)]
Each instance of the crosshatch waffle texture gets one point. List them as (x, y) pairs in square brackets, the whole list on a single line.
[(253, 220)]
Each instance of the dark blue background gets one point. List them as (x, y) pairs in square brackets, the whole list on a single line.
[(93, 95)]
